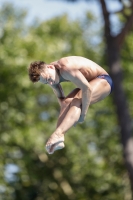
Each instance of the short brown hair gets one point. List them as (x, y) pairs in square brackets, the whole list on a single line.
[(35, 69)]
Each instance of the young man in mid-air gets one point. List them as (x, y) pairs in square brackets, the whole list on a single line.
[(93, 85)]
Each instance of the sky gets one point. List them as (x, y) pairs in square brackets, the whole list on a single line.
[(43, 10), (46, 9)]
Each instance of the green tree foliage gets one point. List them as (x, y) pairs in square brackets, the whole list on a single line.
[(91, 165)]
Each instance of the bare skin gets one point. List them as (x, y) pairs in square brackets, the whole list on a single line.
[(73, 108)]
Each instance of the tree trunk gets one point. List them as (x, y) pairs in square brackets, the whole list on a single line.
[(113, 44), (124, 119)]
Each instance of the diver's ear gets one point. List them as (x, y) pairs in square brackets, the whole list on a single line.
[(51, 66)]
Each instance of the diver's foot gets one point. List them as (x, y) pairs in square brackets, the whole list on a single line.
[(55, 142), (58, 146)]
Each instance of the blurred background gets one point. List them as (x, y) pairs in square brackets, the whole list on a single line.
[(97, 161)]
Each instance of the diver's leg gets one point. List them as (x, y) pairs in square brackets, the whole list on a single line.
[(100, 89)]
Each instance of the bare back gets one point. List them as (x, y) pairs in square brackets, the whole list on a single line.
[(88, 68)]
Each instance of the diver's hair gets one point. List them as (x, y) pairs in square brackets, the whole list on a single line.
[(35, 70)]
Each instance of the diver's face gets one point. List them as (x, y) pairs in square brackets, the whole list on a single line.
[(49, 76)]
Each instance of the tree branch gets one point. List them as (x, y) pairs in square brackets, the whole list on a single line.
[(106, 18), (131, 1), (126, 29), (121, 10)]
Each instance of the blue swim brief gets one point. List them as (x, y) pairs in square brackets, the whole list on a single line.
[(108, 78)]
